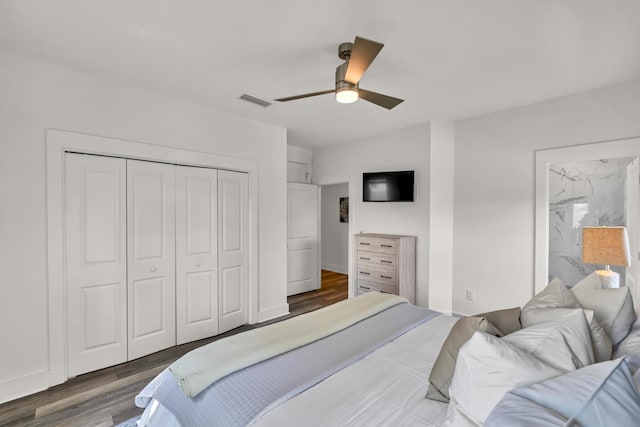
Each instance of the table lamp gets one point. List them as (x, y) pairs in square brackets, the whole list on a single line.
[(606, 246)]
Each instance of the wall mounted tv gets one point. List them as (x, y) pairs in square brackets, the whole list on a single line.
[(387, 186)]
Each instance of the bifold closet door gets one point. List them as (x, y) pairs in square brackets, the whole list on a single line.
[(96, 262), (196, 253), (232, 249), (151, 257)]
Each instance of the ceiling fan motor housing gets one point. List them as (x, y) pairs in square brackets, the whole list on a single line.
[(340, 73)]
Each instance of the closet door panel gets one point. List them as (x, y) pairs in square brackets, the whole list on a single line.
[(95, 189), (151, 257), (233, 253), (197, 253)]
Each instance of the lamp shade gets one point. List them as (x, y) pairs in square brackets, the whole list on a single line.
[(605, 246)]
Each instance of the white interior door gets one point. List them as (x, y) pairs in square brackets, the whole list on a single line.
[(232, 249), (632, 212), (303, 270), (96, 259), (196, 253), (151, 257)]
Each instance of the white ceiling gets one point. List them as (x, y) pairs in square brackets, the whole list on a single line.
[(449, 59)]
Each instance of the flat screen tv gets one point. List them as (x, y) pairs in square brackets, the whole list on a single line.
[(387, 186)]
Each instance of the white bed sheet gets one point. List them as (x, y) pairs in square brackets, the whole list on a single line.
[(385, 388)]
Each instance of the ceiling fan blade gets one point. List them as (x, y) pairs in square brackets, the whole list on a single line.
[(362, 55), (306, 95), (385, 101)]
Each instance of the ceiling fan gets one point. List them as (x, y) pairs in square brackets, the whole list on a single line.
[(357, 58)]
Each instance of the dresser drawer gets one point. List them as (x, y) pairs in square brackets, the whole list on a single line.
[(364, 287), (382, 277), (377, 244), (377, 260)]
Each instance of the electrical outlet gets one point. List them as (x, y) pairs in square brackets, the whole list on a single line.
[(469, 295)]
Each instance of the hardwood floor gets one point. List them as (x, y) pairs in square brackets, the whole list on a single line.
[(106, 398)]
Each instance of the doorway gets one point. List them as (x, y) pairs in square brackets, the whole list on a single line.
[(335, 228)]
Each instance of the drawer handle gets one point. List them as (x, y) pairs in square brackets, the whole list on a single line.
[(364, 287), (384, 260), (385, 277), (365, 244), (364, 258), (386, 246), (365, 272)]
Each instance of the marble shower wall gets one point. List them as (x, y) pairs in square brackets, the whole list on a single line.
[(582, 194)]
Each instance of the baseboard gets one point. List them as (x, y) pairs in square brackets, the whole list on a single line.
[(23, 386), (336, 268), (273, 312)]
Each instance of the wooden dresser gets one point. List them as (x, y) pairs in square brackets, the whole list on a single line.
[(386, 263)]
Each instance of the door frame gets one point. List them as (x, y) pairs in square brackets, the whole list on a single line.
[(59, 142)]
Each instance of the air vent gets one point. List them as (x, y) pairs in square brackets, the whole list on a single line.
[(254, 100)]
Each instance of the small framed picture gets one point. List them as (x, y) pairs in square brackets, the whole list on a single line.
[(344, 209)]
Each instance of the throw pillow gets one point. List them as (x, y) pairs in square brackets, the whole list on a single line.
[(554, 295), (613, 307), (444, 366), (602, 394), (487, 368)]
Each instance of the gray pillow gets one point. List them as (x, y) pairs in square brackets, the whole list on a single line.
[(630, 347), (613, 307), (554, 295), (601, 394), (507, 320), (445, 364)]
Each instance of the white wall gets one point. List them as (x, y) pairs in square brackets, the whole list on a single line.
[(335, 234), (495, 186), (405, 149), (36, 96)]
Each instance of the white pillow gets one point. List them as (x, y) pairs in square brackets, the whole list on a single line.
[(613, 307), (486, 369), (602, 394), (599, 340), (563, 342)]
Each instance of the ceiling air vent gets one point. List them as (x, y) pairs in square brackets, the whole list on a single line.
[(254, 100)]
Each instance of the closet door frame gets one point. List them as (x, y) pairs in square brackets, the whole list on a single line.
[(60, 142)]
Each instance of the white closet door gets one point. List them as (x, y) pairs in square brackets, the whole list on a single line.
[(196, 253), (151, 257), (303, 270), (232, 248), (96, 259)]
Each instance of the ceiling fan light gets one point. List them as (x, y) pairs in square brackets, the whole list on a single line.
[(346, 95)]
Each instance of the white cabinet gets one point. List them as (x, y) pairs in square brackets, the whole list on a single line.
[(386, 263), (156, 255)]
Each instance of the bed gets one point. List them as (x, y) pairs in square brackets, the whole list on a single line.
[(368, 361)]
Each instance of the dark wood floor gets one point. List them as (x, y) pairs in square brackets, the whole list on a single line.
[(106, 398)]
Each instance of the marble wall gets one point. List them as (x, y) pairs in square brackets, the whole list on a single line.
[(582, 194)]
